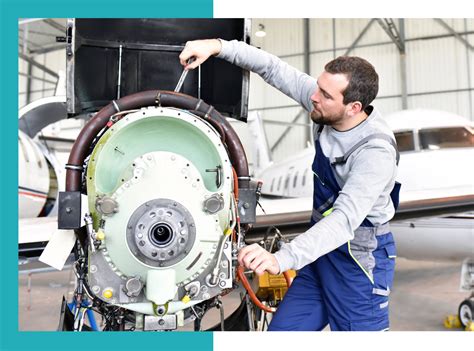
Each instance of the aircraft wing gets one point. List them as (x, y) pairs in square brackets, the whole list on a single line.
[(34, 234), (288, 211), (429, 229)]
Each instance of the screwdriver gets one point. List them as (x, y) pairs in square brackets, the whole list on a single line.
[(183, 76)]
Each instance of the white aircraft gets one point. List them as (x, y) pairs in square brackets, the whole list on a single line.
[(41, 173), (436, 170)]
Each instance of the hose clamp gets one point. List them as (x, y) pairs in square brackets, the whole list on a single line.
[(244, 178), (198, 105), (208, 113), (158, 99), (117, 108), (74, 167)]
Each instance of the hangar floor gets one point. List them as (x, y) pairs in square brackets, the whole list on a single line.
[(424, 294)]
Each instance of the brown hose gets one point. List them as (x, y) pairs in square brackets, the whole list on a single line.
[(236, 185), (253, 297), (150, 98), (288, 278)]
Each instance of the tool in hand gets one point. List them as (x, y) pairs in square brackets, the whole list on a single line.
[(183, 76)]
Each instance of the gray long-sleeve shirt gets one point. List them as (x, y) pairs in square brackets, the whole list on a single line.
[(366, 179)]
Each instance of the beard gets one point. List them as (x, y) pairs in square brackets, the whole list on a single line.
[(319, 118)]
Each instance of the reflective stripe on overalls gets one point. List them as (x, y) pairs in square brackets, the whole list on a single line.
[(348, 287)]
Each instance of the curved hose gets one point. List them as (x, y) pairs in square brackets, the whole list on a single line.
[(253, 297), (150, 98), (288, 278)]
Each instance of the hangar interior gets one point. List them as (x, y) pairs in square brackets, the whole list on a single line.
[(422, 64)]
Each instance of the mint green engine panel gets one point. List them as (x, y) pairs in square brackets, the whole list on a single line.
[(122, 146)]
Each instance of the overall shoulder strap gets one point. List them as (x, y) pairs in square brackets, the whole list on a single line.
[(343, 159)]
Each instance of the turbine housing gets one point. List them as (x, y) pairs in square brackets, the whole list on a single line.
[(158, 168), (163, 220)]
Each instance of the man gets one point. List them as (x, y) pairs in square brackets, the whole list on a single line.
[(346, 258)]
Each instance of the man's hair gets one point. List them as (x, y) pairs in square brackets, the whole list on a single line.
[(363, 80)]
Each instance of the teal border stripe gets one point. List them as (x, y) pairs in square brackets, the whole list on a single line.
[(10, 12)]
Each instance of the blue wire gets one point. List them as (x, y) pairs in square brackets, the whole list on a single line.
[(90, 313), (92, 322)]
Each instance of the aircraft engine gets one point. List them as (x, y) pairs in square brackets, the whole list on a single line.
[(163, 220)]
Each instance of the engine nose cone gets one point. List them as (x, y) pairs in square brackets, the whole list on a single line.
[(161, 234)]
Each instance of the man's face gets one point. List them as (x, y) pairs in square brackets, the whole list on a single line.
[(328, 107)]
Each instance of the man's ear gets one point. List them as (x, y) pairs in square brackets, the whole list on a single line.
[(355, 107)]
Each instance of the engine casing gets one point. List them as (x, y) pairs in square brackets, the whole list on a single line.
[(159, 185)]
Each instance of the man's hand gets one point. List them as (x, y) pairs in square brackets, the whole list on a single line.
[(200, 50), (258, 259)]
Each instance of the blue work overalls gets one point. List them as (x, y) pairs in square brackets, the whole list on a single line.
[(348, 287)]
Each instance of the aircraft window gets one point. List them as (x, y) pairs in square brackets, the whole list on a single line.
[(303, 180), (442, 138), (405, 141), (279, 184), (273, 183), (287, 181), (295, 179)]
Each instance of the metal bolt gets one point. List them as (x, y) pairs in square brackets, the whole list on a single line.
[(154, 253), (93, 268), (222, 284), (95, 289), (246, 205), (161, 322), (68, 210)]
